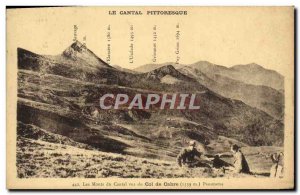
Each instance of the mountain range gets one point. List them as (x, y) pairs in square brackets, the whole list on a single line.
[(59, 94), (254, 85), (249, 73)]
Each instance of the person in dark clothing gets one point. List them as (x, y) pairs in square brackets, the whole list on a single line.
[(219, 163), (187, 155)]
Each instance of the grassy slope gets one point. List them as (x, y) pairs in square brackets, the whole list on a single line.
[(36, 158), (44, 154)]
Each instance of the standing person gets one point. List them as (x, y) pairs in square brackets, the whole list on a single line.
[(240, 164), (277, 167), (96, 115)]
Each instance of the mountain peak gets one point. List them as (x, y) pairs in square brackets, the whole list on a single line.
[(251, 66), (77, 45), (77, 50), (160, 72), (167, 67)]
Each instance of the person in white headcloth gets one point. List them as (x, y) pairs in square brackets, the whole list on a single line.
[(277, 167)]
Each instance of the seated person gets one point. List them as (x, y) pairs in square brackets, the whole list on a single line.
[(188, 156), (240, 164)]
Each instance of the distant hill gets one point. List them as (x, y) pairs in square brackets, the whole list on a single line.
[(149, 67), (252, 84), (161, 72), (262, 97), (250, 74), (125, 69)]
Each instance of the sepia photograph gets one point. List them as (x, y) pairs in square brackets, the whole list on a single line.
[(150, 98)]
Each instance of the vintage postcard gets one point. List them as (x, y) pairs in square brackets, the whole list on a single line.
[(186, 98)]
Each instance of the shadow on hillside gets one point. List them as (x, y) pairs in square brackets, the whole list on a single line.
[(69, 127)]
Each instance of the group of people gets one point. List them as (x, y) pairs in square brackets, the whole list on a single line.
[(191, 157)]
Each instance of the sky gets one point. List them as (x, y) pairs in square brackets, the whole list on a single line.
[(225, 36)]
